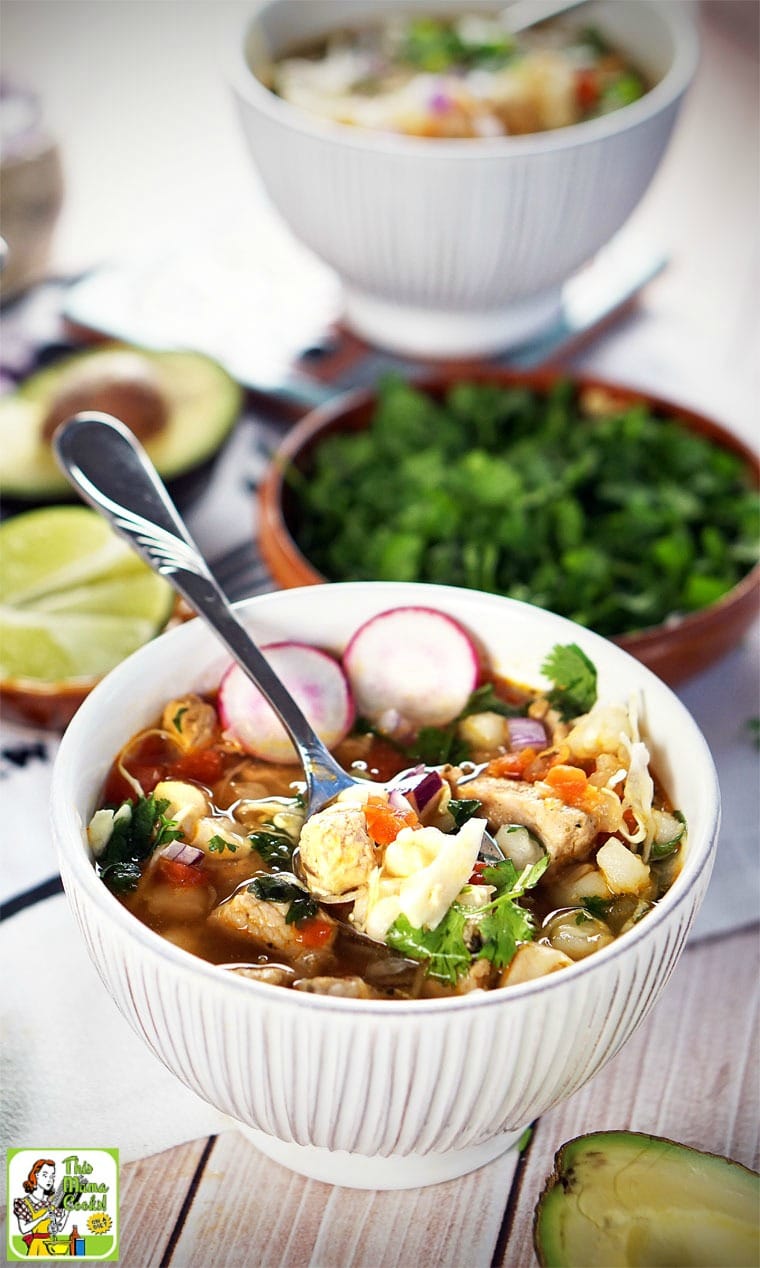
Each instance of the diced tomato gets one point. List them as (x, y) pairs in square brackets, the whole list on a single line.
[(181, 874), (586, 88), (477, 873), (384, 822), (313, 933), (571, 785), (203, 765), (513, 764)]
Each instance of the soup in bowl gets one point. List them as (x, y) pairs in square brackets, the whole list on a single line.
[(454, 244), (439, 1072), (458, 76)]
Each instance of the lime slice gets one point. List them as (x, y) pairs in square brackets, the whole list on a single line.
[(74, 599)]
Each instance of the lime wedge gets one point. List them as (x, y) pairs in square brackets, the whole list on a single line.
[(74, 599)]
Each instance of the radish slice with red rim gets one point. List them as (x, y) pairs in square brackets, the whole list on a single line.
[(314, 679), (416, 661)]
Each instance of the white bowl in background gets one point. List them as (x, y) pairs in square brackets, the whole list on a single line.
[(458, 247), (377, 1094)]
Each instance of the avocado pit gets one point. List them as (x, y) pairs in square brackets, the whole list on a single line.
[(118, 383)]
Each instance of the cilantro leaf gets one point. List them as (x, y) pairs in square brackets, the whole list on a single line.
[(217, 845), (122, 876), (485, 700), (574, 678), (274, 848), (462, 809), (437, 745), (506, 923), (135, 836), (443, 948), (276, 889), (599, 907), (177, 719)]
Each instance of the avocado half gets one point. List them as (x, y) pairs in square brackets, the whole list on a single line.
[(626, 1200), (195, 405)]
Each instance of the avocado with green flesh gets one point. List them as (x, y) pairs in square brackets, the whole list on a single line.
[(627, 1200), (201, 403)]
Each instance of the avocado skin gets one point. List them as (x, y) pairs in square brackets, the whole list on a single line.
[(185, 490), (203, 401), (709, 1216)]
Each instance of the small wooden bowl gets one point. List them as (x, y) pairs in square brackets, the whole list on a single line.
[(673, 651)]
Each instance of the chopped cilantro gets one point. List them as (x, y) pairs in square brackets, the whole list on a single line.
[(599, 907), (437, 745), (217, 845), (582, 918), (506, 923), (623, 90), (274, 848), (462, 809), (752, 727), (663, 849), (616, 519), (593, 38), (276, 889), (501, 924), (122, 876), (485, 700), (177, 719), (574, 678), (133, 838), (443, 949)]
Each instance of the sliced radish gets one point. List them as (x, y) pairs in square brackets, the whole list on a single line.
[(414, 660), (313, 678)]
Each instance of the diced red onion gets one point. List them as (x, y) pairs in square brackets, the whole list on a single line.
[(526, 733), (427, 789), (397, 800), (440, 102), (423, 786), (181, 852)]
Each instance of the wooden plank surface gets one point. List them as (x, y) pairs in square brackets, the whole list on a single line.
[(151, 1196), (690, 1072)]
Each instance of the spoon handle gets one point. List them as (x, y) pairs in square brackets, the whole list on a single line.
[(522, 14), (111, 470)]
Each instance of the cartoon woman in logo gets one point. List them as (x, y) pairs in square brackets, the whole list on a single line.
[(39, 1215)]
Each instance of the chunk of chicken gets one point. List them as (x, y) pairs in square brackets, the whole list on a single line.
[(260, 921), (337, 853), (565, 832), (342, 987)]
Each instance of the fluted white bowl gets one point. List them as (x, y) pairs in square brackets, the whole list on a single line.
[(454, 248), (377, 1094)]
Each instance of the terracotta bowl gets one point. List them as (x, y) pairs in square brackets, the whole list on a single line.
[(674, 651)]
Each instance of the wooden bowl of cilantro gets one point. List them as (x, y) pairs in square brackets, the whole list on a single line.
[(626, 513)]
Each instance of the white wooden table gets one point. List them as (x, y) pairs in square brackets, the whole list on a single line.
[(691, 1071)]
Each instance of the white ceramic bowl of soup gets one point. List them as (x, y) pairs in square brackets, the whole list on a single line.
[(368, 1093), (458, 247)]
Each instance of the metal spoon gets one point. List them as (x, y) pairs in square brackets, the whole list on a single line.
[(111, 470), (522, 14)]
